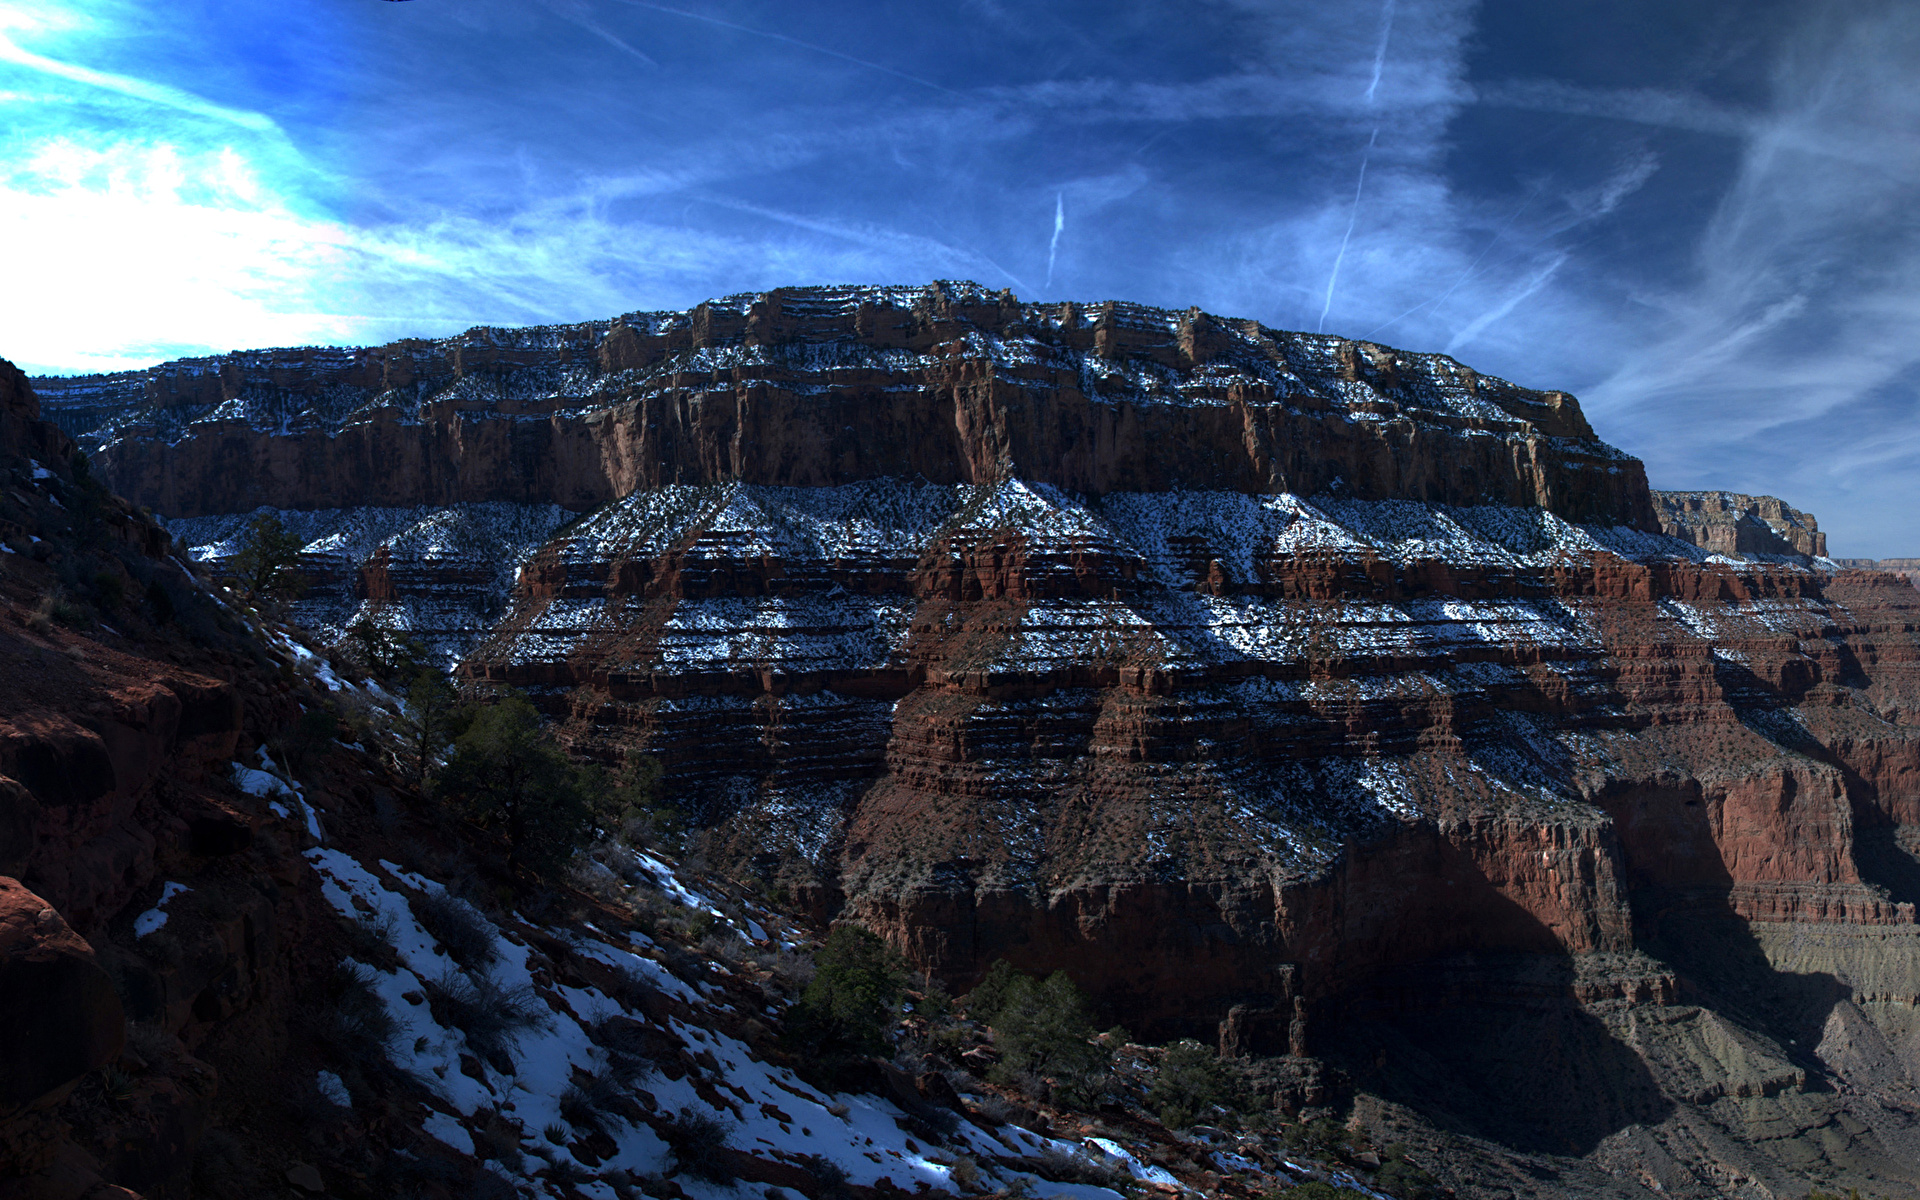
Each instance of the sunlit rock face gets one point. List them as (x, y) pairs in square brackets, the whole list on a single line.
[(1740, 525), (819, 387), (1231, 669)]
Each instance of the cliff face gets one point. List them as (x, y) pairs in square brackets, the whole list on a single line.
[(1907, 568), (1733, 524), (819, 387), (1312, 695)]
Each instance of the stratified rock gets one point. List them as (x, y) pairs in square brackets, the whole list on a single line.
[(1292, 692), (1907, 568), (820, 386), (1734, 524)]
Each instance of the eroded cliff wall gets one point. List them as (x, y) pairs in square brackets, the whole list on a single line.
[(815, 387), (1273, 685)]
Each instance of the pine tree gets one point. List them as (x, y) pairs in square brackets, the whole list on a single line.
[(268, 564), (434, 719), (505, 774)]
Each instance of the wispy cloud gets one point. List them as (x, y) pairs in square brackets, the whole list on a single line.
[(139, 89), (580, 13), (1059, 227), (1794, 348), (775, 36)]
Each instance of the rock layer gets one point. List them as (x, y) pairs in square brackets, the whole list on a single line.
[(1733, 524), (815, 387)]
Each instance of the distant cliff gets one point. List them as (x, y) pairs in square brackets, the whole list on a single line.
[(1907, 568), (1735, 524)]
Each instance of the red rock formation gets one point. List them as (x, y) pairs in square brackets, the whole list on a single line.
[(814, 387), (58, 1007), (1733, 524), (1234, 671), (116, 730)]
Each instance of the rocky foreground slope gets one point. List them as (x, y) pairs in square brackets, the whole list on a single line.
[(1338, 703), (236, 960)]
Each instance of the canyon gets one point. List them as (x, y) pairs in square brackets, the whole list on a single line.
[(1336, 704)]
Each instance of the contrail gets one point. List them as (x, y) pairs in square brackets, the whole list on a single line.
[(578, 14), (127, 85), (1506, 306), (781, 37), (1059, 223), (1464, 275), (1380, 54), (1352, 218)]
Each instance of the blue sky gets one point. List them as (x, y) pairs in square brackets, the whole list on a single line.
[(1703, 218)]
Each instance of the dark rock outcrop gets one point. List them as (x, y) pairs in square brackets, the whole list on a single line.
[(125, 690), (58, 1008)]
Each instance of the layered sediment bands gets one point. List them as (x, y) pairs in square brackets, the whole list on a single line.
[(440, 575), (1734, 524), (817, 387), (1215, 752), (1306, 694)]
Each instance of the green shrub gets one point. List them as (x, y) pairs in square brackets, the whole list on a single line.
[(491, 1016), (460, 928), (505, 774), (1044, 1031), (851, 1002), (57, 608), (1401, 1179), (109, 590), (1191, 1082), (353, 1019), (386, 654), (1316, 1190), (434, 718), (699, 1144), (1325, 1136), (988, 996), (269, 563)]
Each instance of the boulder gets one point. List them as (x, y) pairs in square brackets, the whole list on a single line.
[(59, 1016)]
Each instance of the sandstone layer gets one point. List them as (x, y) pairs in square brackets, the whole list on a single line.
[(815, 387)]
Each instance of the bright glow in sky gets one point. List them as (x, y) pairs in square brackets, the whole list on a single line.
[(1697, 215)]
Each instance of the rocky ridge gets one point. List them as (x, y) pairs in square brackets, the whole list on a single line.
[(1733, 524), (1326, 699), (1906, 568)]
